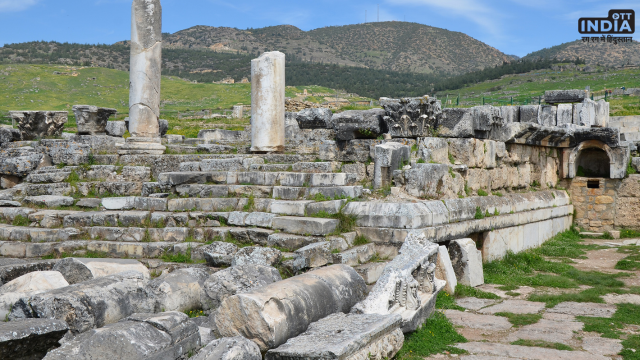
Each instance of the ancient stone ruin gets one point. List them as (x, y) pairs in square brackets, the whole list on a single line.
[(309, 235)]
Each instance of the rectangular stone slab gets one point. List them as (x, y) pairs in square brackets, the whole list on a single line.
[(342, 336), (31, 338)]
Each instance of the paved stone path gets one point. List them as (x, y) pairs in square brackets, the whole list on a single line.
[(490, 336)]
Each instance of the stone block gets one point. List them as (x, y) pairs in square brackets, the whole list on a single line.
[(359, 169), (235, 348), (564, 96), (290, 241), (389, 157), (31, 338), (92, 120), (547, 115), (302, 225), (329, 207), (456, 123), (601, 114), (180, 290), (444, 270), (305, 299), (588, 113), (49, 200), (356, 255), (332, 192), (27, 285), (315, 118), (434, 150), (223, 136), (77, 270), (390, 215), (565, 114), (359, 124), (315, 255), (238, 280), (166, 335), (256, 255), (371, 272), (529, 113), (78, 304), (408, 286), (39, 124), (345, 336), (467, 262), (65, 151), (292, 208), (116, 128)]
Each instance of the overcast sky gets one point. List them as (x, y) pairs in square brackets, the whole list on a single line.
[(515, 27)]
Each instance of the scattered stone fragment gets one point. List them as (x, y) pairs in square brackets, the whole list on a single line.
[(467, 262), (237, 280), (301, 300), (84, 306), (31, 338), (167, 335), (13, 269), (76, 270), (8, 203), (345, 336), (476, 321), (256, 255), (234, 348), (408, 285), (444, 270), (27, 285), (181, 290), (584, 309), (116, 128), (515, 307)]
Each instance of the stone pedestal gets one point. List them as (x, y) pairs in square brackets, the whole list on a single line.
[(144, 146), (238, 111), (92, 120), (267, 102), (145, 73)]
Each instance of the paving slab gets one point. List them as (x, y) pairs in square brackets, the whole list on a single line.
[(622, 299), (547, 330), (526, 352), (476, 321), (472, 303), (515, 307), (602, 346), (584, 309)]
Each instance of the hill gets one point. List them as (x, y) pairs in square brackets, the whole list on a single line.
[(605, 54), (397, 46)]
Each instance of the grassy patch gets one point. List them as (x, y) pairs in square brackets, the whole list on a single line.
[(626, 314), (195, 313), (631, 349), (468, 291), (436, 336), (361, 240), (629, 234), (631, 262), (520, 319), (87, 254), (178, 258), (20, 220), (542, 344)]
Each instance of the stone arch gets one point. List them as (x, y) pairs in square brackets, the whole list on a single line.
[(591, 154)]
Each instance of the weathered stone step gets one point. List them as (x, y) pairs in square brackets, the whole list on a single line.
[(262, 178), (112, 173), (102, 188), (305, 225)]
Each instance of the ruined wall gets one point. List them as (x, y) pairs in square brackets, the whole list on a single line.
[(606, 204)]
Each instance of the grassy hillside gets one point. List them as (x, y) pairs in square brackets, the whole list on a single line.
[(603, 54), (529, 86)]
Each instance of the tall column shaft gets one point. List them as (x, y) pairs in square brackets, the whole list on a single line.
[(267, 102)]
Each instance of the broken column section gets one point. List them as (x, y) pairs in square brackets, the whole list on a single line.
[(145, 74), (267, 103)]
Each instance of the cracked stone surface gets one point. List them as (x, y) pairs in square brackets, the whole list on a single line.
[(515, 307), (472, 303), (584, 309)]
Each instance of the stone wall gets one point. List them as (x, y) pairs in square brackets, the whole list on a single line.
[(606, 204)]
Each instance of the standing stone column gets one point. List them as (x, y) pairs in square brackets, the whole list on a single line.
[(144, 74), (267, 102)]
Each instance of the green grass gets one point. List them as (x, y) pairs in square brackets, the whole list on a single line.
[(631, 262), (469, 291), (87, 254), (629, 234), (542, 344), (178, 258), (482, 193), (520, 319), (531, 268), (626, 314), (195, 313), (20, 220), (631, 349), (436, 336), (361, 240)]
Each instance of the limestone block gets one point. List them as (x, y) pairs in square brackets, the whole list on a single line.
[(267, 102), (356, 255), (27, 285), (272, 314), (358, 168), (371, 272), (20, 162), (315, 118), (390, 215), (136, 173), (92, 120), (588, 113), (510, 114), (31, 338), (292, 208), (76, 270), (564, 96), (303, 226), (577, 109), (345, 336), (16, 268), (467, 262), (115, 128), (565, 114), (434, 149), (464, 151), (222, 136), (181, 290), (49, 200), (444, 270), (485, 117), (167, 335), (456, 123), (65, 151), (238, 280), (547, 115), (359, 124), (290, 241), (529, 113), (428, 180), (232, 164), (256, 255), (601, 114), (87, 305), (329, 207), (235, 348), (408, 286), (39, 124)]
